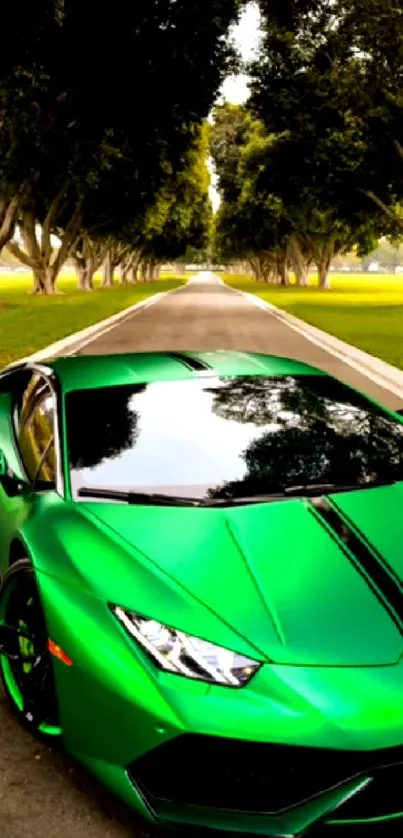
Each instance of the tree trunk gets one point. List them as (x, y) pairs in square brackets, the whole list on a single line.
[(255, 267), (324, 254), (298, 262), (107, 281), (44, 281), (124, 276), (8, 219), (251, 268), (44, 262), (82, 277), (81, 271), (282, 271), (323, 277), (301, 273), (87, 258), (89, 277), (152, 270), (39, 283), (91, 268), (143, 270), (85, 273), (50, 280)]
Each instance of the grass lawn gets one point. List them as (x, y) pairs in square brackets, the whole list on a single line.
[(28, 323), (363, 310)]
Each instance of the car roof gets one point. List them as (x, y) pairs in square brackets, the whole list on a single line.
[(91, 371)]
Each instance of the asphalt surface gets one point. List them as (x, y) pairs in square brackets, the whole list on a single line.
[(42, 793)]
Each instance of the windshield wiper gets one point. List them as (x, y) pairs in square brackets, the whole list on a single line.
[(241, 501), (158, 499), (143, 498), (307, 490), (313, 489)]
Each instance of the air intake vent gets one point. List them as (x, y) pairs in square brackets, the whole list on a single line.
[(189, 362)]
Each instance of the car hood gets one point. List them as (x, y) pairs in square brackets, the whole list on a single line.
[(276, 574)]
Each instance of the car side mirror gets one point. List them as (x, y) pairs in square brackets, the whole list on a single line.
[(11, 484)]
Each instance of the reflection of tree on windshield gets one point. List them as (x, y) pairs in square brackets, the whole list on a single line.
[(101, 424), (317, 432), (243, 400)]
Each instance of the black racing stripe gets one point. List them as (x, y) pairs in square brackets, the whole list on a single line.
[(368, 561), (189, 362)]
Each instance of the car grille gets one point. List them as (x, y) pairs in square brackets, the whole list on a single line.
[(244, 776)]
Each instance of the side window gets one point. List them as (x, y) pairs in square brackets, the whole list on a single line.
[(35, 429), (19, 384)]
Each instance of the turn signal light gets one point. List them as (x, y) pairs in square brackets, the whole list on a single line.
[(57, 652)]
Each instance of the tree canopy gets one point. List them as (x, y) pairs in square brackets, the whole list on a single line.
[(104, 143), (312, 164), (99, 114)]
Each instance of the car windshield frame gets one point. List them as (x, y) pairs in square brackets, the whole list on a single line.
[(359, 400)]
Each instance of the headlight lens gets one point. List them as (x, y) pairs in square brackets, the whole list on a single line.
[(174, 651)]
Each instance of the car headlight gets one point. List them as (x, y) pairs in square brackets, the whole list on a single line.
[(182, 654)]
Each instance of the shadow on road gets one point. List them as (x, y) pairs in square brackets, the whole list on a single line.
[(44, 793)]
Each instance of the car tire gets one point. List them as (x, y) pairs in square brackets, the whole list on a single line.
[(28, 676)]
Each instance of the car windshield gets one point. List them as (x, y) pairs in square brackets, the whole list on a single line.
[(229, 437)]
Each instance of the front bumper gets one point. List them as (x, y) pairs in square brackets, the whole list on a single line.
[(174, 776), (183, 752), (268, 789)]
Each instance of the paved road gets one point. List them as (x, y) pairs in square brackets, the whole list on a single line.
[(42, 794)]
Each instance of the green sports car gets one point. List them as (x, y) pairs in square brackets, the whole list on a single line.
[(202, 585)]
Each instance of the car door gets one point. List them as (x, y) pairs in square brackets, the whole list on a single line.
[(33, 426)]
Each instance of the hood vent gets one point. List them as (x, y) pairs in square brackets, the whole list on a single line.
[(193, 364), (367, 560)]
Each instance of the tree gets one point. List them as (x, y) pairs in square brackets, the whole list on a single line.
[(73, 157), (371, 35), (244, 228), (328, 75), (294, 164), (181, 216), (88, 255)]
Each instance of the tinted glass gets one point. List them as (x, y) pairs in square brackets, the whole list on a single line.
[(35, 431), (230, 437)]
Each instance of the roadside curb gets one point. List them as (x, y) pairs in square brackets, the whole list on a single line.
[(381, 373), (72, 343)]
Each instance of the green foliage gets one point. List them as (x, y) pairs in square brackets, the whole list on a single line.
[(181, 215), (99, 113), (309, 167), (329, 75)]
